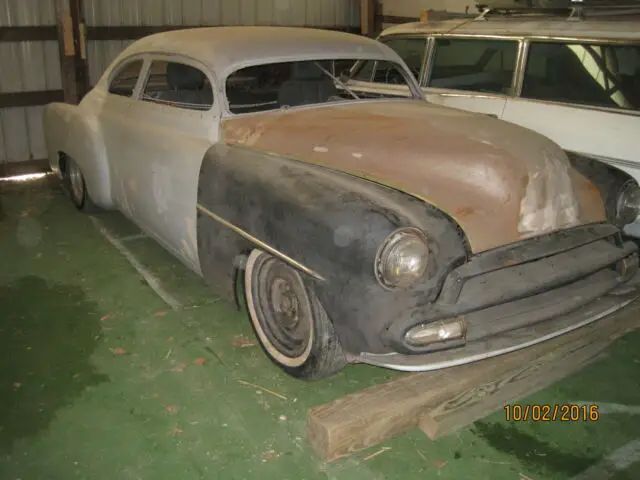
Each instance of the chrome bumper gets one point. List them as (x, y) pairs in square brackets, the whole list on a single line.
[(507, 342)]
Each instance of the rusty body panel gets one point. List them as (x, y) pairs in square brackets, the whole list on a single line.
[(500, 183)]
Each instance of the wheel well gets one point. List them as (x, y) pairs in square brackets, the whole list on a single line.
[(62, 162), (239, 266)]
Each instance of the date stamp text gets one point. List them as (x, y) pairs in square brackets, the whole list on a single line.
[(556, 412)]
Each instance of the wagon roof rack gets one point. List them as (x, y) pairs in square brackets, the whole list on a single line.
[(570, 9)]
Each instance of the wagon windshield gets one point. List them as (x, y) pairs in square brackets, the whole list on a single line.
[(312, 82)]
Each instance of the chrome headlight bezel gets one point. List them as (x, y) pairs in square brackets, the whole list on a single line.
[(629, 189), (393, 241)]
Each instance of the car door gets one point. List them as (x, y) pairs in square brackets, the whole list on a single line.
[(177, 122), (585, 97), (118, 128), (475, 74)]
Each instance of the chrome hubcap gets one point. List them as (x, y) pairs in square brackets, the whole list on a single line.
[(285, 303)]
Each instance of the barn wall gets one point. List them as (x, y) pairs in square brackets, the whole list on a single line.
[(35, 66), (26, 66), (328, 13)]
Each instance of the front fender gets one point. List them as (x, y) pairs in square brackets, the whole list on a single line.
[(330, 222)]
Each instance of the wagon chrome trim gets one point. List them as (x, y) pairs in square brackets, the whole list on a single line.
[(261, 244)]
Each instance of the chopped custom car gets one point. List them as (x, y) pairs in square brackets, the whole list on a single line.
[(355, 226)]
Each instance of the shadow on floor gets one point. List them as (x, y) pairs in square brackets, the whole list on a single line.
[(47, 335)]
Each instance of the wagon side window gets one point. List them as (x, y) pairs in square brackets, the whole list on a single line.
[(178, 85), (411, 50), (584, 74), (479, 65), (124, 82)]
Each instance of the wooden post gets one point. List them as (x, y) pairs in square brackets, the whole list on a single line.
[(73, 50), (368, 17)]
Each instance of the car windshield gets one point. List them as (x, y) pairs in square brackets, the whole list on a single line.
[(311, 82)]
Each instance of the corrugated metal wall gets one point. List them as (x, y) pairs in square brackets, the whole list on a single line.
[(341, 13), (28, 66)]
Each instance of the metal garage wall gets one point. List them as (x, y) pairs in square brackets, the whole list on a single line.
[(30, 68), (26, 66), (114, 13)]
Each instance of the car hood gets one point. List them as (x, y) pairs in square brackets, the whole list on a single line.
[(500, 182)]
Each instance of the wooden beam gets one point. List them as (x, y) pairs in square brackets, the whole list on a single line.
[(30, 99), (28, 33), (396, 19), (368, 17), (484, 399), (98, 33), (443, 400), (81, 65), (73, 49)]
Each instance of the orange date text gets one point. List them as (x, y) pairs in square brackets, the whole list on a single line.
[(557, 412)]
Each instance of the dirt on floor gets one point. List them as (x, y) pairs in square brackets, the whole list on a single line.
[(101, 379)]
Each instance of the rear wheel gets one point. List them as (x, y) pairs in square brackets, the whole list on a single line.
[(75, 185), (292, 326)]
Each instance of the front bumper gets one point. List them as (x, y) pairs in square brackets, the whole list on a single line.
[(519, 296)]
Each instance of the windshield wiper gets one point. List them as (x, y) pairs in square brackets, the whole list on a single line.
[(337, 80)]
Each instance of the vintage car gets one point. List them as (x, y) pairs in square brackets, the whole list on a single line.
[(354, 226), (571, 74)]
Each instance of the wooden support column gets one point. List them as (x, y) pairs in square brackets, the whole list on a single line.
[(368, 17), (73, 49)]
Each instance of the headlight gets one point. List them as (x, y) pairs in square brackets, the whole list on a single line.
[(628, 204), (402, 258)]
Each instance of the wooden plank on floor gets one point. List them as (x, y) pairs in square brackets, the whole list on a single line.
[(480, 401), (366, 418)]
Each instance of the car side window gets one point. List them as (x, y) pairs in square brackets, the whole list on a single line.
[(178, 85), (584, 74), (479, 65), (124, 82), (411, 50)]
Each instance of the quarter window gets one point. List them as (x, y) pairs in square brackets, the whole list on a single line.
[(411, 50), (474, 65), (584, 74), (124, 82), (178, 85)]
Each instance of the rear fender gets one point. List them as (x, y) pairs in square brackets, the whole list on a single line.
[(71, 131)]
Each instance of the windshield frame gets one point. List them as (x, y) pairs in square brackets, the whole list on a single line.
[(414, 89)]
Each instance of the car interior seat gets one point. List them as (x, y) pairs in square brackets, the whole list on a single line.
[(308, 84), (187, 87)]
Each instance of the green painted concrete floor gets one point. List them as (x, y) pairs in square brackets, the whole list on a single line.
[(99, 379)]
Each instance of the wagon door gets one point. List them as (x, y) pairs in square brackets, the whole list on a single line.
[(585, 97), (177, 126), (472, 74)]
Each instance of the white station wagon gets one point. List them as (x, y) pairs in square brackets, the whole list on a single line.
[(573, 79)]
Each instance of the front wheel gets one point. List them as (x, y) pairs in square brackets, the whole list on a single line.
[(292, 326)]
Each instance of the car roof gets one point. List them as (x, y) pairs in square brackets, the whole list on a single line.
[(226, 48), (528, 26)]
